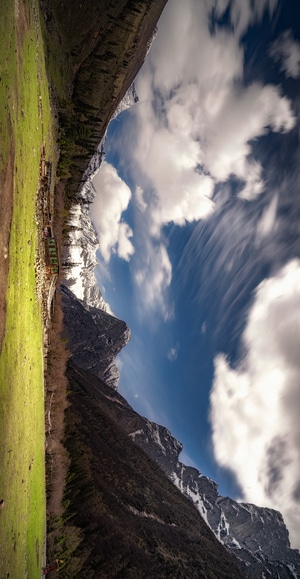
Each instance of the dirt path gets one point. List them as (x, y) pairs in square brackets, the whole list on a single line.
[(6, 203)]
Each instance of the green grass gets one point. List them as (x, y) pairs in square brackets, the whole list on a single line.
[(25, 117)]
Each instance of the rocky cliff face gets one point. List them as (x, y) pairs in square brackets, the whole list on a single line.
[(83, 242), (94, 337)]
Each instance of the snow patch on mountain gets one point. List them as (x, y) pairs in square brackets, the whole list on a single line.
[(81, 256), (130, 99), (83, 242)]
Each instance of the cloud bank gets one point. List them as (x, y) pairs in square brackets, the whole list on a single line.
[(255, 406), (194, 127), (196, 120), (152, 276)]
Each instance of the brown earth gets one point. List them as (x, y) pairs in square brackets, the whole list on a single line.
[(6, 196), (56, 383)]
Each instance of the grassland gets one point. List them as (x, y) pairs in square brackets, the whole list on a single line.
[(25, 124)]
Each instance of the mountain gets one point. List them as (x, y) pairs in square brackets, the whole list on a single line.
[(257, 537), (83, 242), (124, 518), (104, 45), (80, 254), (94, 337), (129, 99)]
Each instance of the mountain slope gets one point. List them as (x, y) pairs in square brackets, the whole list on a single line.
[(105, 43), (133, 522)]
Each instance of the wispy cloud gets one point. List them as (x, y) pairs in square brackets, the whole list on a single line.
[(196, 118), (254, 406), (286, 50), (152, 276), (173, 353), (243, 13)]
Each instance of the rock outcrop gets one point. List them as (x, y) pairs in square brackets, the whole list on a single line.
[(94, 337), (81, 255)]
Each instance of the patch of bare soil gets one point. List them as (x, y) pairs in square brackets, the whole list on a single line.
[(22, 23), (37, 551), (6, 199), (56, 383)]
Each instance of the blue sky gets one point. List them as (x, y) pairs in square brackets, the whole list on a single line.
[(197, 212)]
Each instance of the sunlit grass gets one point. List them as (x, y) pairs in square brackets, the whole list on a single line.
[(26, 117)]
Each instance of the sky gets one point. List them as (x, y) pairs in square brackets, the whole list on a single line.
[(197, 212)]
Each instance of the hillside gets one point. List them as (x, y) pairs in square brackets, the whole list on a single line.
[(128, 518), (104, 44)]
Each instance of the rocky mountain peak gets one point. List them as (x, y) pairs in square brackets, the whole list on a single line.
[(165, 447), (94, 337), (81, 255), (129, 99)]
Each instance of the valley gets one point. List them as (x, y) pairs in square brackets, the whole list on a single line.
[(88, 488)]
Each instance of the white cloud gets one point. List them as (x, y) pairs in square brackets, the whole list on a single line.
[(243, 12), (139, 199), (153, 277), (286, 50), (195, 121), (245, 114), (173, 353), (267, 222), (112, 199), (255, 406), (125, 247), (193, 127)]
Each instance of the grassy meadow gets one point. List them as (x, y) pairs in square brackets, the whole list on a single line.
[(25, 124)]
